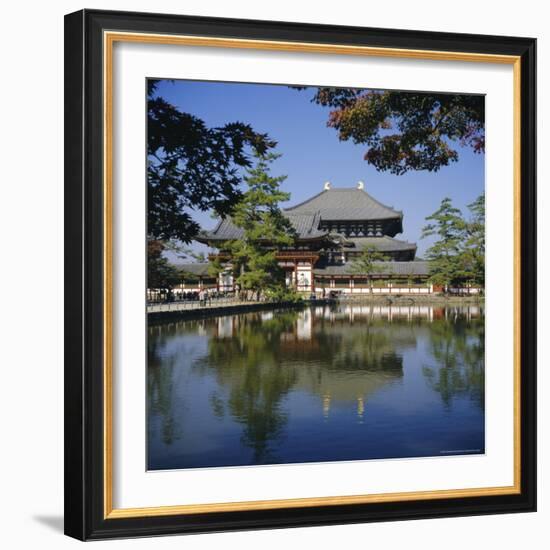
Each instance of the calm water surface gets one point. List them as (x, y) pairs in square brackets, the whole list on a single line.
[(319, 384)]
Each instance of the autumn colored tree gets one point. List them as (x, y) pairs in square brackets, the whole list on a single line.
[(405, 131)]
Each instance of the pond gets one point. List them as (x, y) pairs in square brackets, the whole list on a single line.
[(325, 383)]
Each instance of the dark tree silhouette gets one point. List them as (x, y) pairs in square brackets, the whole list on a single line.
[(192, 167)]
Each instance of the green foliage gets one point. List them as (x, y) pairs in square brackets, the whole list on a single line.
[(215, 267), (257, 369), (192, 167), (365, 263), (283, 294), (458, 348), (405, 131), (458, 254), (246, 366), (474, 246), (160, 273), (265, 230), (183, 252)]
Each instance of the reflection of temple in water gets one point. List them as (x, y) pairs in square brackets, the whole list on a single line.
[(335, 386), (317, 369), (308, 318), (357, 312), (342, 355), (361, 345)]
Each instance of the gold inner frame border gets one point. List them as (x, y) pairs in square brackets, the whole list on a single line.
[(109, 39)]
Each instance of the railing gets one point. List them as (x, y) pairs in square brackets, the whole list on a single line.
[(184, 305)]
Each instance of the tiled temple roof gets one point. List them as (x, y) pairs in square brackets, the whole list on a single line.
[(200, 269), (306, 226), (383, 244), (417, 267), (346, 203)]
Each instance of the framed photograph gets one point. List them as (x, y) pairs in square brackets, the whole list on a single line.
[(300, 274)]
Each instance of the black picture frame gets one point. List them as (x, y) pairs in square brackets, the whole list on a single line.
[(84, 269)]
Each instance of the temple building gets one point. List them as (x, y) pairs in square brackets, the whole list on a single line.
[(332, 229)]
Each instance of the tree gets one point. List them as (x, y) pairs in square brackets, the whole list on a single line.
[(183, 252), (445, 254), (265, 228), (365, 263), (192, 167), (473, 255), (160, 273), (405, 131), (215, 267)]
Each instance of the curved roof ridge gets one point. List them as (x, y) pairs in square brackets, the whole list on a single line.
[(381, 203), (389, 237), (306, 201), (335, 202), (382, 242)]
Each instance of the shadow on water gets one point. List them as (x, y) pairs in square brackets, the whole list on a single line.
[(239, 389)]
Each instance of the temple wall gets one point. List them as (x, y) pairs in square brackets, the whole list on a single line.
[(376, 290)]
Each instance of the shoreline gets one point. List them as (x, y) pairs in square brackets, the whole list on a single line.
[(425, 299), (228, 309), (231, 309)]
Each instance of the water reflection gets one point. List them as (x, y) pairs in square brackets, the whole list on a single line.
[(323, 383), (249, 364), (458, 350)]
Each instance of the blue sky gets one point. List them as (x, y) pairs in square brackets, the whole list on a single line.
[(311, 153)]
